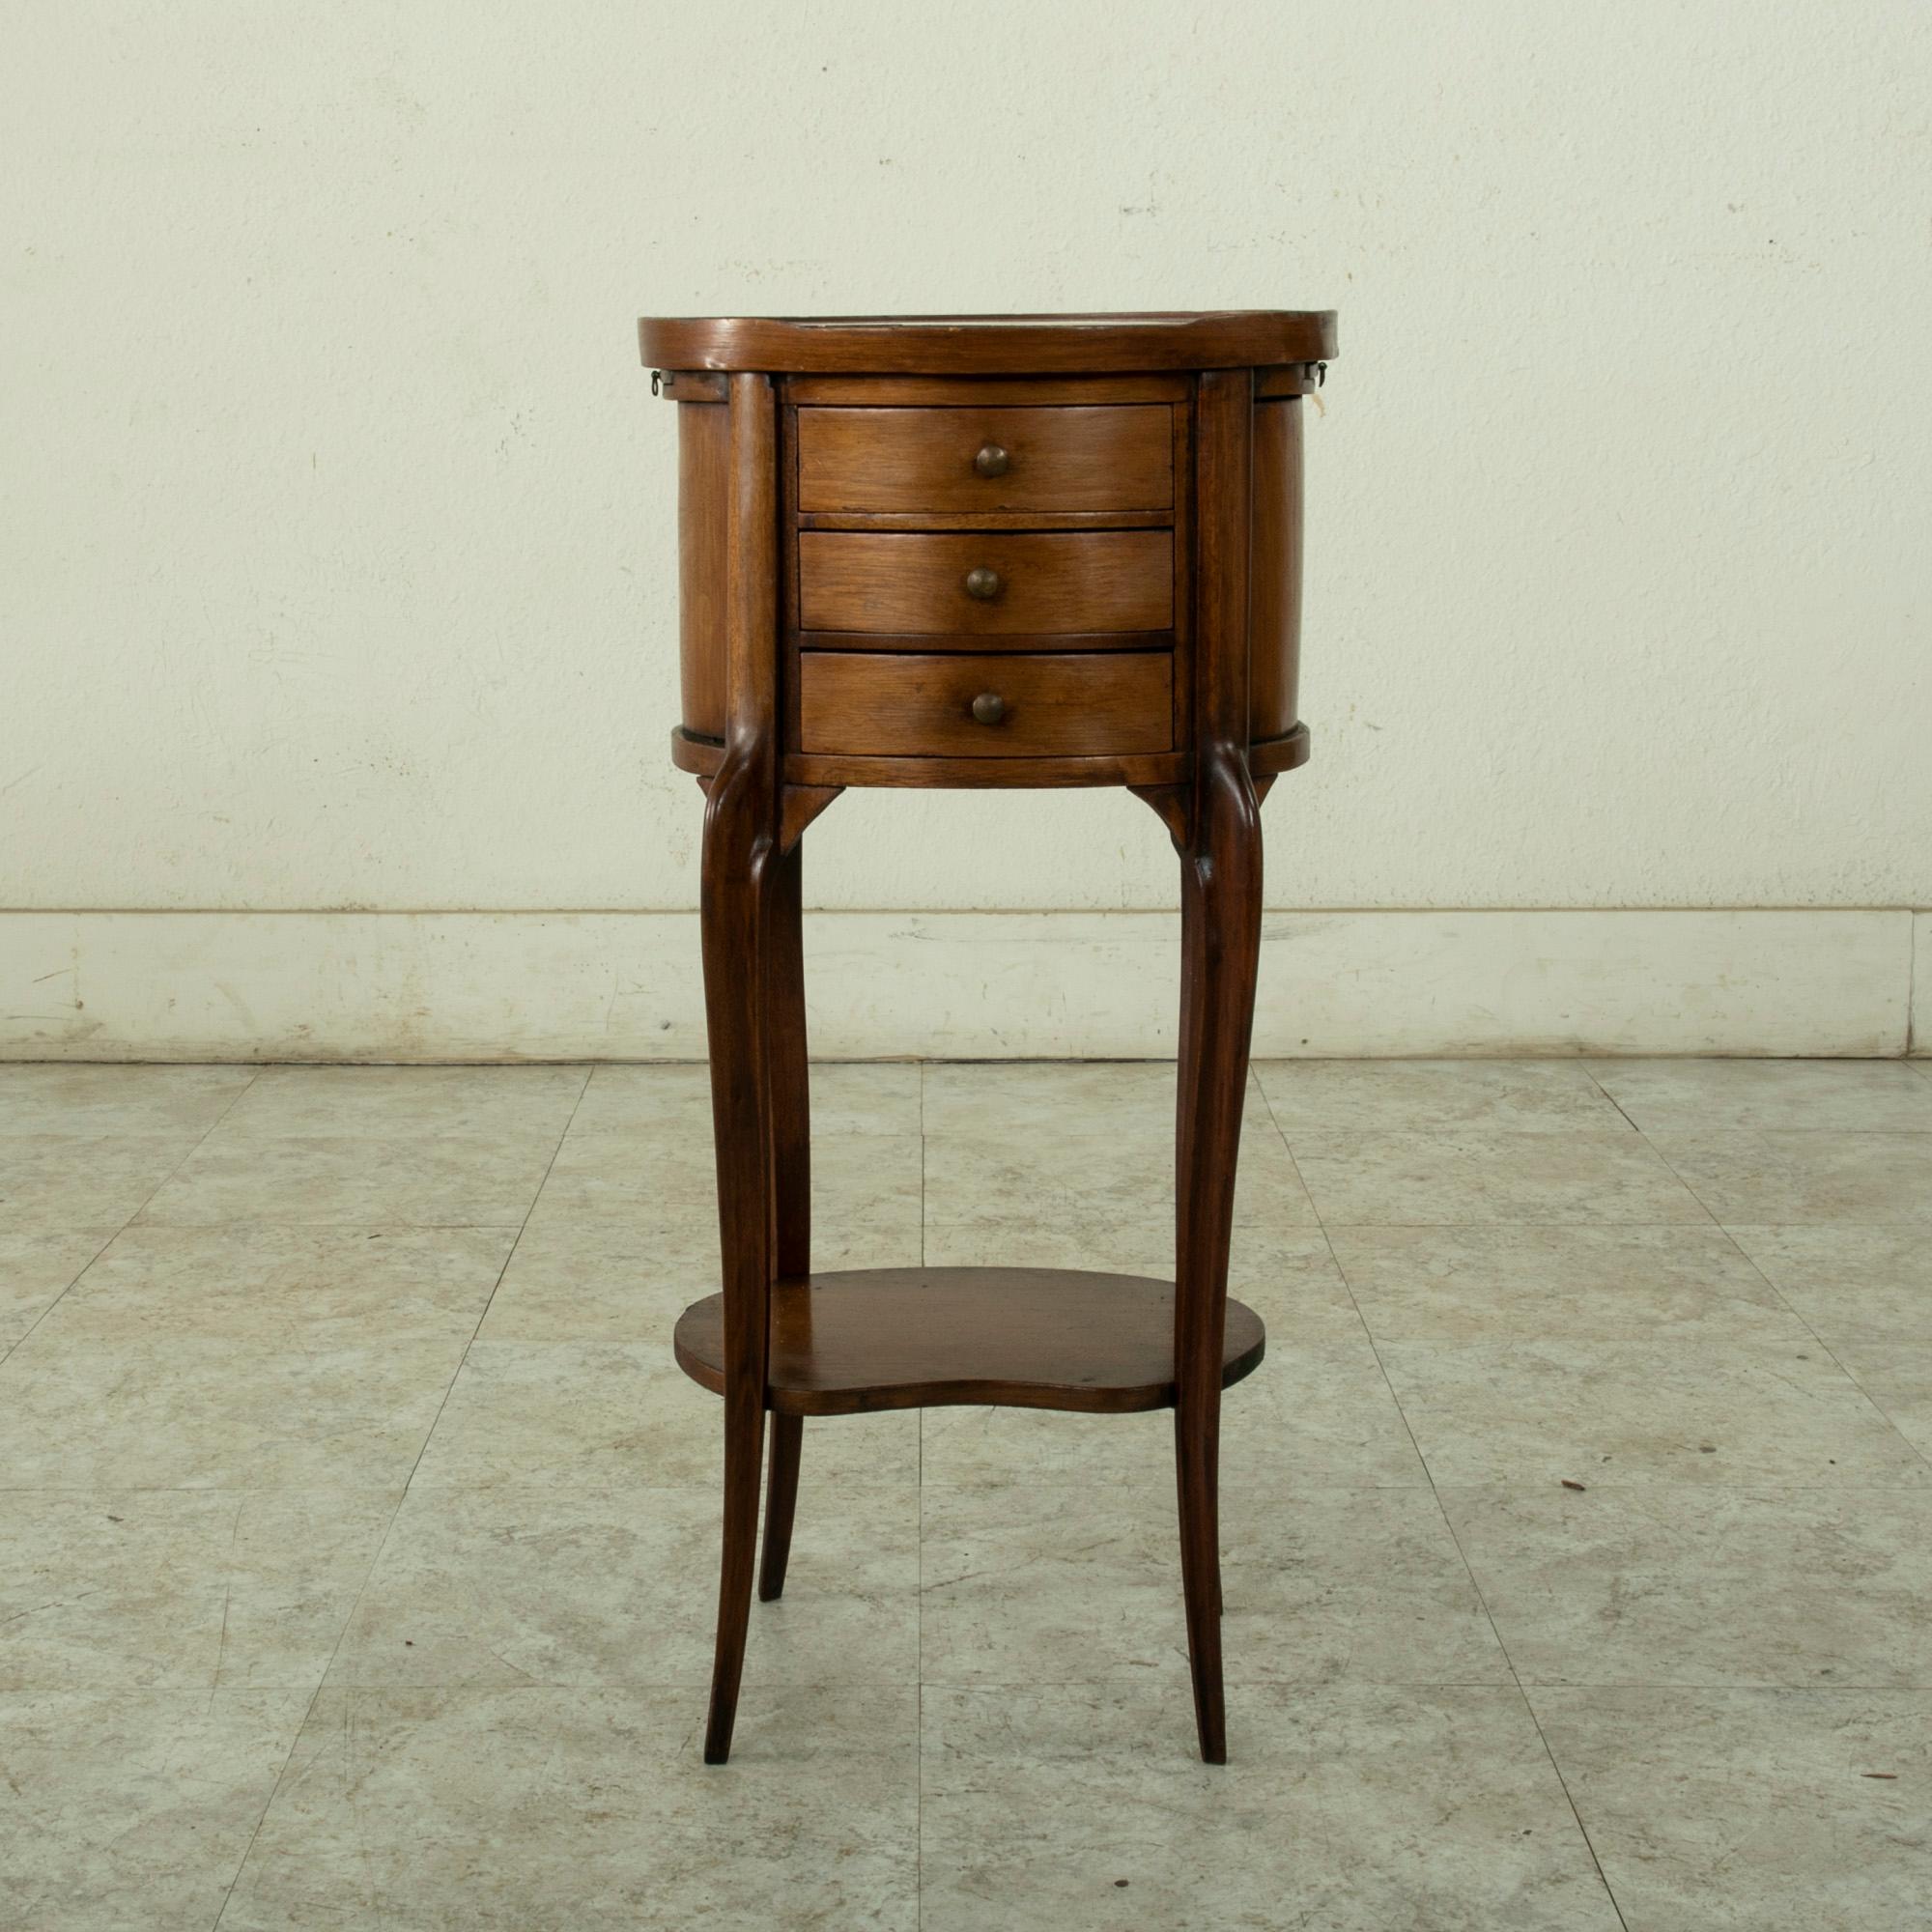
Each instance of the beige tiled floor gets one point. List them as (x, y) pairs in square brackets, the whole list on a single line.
[(357, 1532)]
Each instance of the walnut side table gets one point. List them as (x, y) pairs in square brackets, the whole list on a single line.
[(984, 550)]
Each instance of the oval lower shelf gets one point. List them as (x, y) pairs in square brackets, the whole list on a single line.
[(871, 1338)]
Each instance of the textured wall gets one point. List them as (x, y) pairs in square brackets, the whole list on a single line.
[(338, 518)]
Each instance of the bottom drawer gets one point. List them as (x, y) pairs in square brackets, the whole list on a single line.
[(1000, 704)]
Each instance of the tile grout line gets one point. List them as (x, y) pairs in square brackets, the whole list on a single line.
[(227, 1598), (918, 1590), (919, 1721), (1796, 1314), (389, 1528), (489, 1301), (1589, 1073), (1488, 1615), (1429, 1475), (1669, 1166), (147, 1201), (1756, 1688), (1750, 1262)]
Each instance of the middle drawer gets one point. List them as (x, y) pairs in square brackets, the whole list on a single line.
[(984, 584)]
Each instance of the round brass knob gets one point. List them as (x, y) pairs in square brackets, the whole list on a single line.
[(991, 461), (988, 708), (982, 582)]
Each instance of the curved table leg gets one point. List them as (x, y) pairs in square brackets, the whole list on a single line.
[(1219, 837), (1220, 918), (737, 902), (791, 1186), (736, 917)]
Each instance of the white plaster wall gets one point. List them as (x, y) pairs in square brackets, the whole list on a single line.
[(338, 566), (953, 986)]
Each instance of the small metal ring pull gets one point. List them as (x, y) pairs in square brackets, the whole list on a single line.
[(988, 708), (991, 461), (982, 582)]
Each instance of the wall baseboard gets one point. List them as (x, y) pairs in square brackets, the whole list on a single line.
[(534, 985)]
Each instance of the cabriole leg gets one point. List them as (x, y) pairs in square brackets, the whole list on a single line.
[(791, 1189), (1220, 921), (736, 909)]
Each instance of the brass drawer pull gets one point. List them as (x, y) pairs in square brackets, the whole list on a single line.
[(991, 461), (982, 583), (989, 707)]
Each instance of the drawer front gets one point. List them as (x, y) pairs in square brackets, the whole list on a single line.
[(907, 705), (1118, 457), (986, 582)]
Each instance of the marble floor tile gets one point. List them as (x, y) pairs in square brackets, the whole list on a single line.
[(1314, 1416), (1683, 1283), (643, 1179), (1851, 1284), (847, 1097), (607, 1277), (1322, 1097), (489, 1809), (1672, 1096), (1735, 1810), (36, 1269), (55, 1183), (393, 1102), (1344, 1808), (174, 1102), (1897, 1376), (1131, 1097), (203, 1412), (1712, 1413), (597, 1584), (1463, 1180), (180, 1589), (601, 1278), (1775, 1177), (575, 1413), (1043, 1583), (1040, 1173), (1289, 1277), (1898, 1368), (212, 1410), (129, 1810), (869, 1179), (420, 1181), (288, 1289), (1664, 1584)]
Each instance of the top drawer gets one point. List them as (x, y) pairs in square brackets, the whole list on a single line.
[(1109, 457)]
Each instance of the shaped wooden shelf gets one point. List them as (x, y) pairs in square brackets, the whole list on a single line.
[(869, 1339)]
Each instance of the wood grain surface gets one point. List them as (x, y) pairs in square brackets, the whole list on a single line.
[(989, 345), (1274, 612), (1115, 458), (870, 703), (704, 452), (1060, 581), (871, 1338)]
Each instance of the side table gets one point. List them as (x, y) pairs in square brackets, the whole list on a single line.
[(977, 550)]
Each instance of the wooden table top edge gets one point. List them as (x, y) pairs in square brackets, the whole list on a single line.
[(988, 344)]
